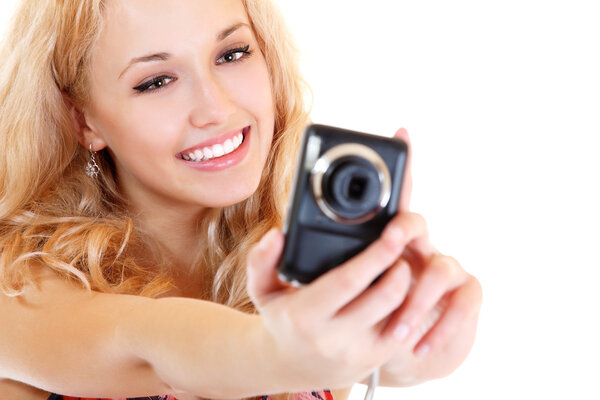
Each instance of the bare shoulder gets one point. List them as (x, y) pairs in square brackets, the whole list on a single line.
[(17, 390)]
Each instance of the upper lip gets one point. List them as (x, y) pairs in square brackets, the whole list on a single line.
[(215, 140)]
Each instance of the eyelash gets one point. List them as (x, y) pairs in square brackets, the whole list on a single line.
[(146, 86), (244, 50)]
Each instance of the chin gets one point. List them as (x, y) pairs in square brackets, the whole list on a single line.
[(229, 198)]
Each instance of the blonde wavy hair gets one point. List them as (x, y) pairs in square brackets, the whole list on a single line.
[(53, 214)]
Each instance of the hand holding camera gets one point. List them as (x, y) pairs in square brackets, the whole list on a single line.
[(330, 331), (417, 321)]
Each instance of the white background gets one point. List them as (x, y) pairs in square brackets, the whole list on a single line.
[(501, 99)]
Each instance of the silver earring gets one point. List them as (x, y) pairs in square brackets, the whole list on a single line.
[(92, 169)]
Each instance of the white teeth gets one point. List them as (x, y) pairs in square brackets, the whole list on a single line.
[(216, 150), (208, 154), (228, 146)]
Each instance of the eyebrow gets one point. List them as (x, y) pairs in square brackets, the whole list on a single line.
[(227, 32), (165, 56)]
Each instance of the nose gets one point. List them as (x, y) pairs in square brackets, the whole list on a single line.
[(211, 103)]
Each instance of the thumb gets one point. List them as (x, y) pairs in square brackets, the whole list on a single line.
[(263, 282)]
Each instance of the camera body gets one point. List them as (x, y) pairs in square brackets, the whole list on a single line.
[(346, 189)]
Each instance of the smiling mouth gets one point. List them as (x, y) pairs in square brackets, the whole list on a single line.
[(207, 152)]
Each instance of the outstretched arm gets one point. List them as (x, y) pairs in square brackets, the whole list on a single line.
[(67, 340), (61, 338)]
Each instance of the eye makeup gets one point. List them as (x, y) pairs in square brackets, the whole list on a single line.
[(158, 82), (231, 56), (234, 55)]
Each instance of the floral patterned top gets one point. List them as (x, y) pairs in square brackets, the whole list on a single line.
[(316, 395)]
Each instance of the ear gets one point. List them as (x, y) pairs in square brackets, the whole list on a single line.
[(86, 134)]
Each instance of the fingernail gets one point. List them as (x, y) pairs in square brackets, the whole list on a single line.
[(422, 350), (263, 245), (401, 332)]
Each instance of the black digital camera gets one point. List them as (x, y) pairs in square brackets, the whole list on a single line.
[(346, 189)]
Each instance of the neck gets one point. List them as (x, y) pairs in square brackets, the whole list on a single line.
[(174, 225), (178, 236), (175, 228)]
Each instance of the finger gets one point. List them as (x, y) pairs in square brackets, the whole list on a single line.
[(463, 304), (262, 280), (341, 285), (380, 300), (420, 251), (442, 275), (406, 193)]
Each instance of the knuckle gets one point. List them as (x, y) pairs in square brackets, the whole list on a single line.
[(418, 223), (451, 262), (468, 300), (388, 246), (477, 289), (440, 268)]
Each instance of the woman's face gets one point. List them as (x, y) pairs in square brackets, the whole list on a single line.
[(175, 87)]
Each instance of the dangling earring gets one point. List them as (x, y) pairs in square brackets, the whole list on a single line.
[(92, 169)]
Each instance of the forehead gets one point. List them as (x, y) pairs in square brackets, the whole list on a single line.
[(135, 27)]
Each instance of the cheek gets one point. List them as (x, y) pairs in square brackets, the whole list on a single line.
[(142, 129), (251, 89), (255, 94), (141, 142)]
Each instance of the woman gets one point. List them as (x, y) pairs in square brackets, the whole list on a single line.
[(146, 154)]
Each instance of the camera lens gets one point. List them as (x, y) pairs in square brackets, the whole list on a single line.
[(350, 183), (357, 187), (352, 187)]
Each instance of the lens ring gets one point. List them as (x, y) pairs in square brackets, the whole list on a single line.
[(345, 150)]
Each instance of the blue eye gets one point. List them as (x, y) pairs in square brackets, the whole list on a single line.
[(154, 84), (234, 55)]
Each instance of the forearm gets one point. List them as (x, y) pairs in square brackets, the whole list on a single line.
[(206, 349)]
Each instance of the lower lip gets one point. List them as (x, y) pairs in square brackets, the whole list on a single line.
[(226, 161)]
